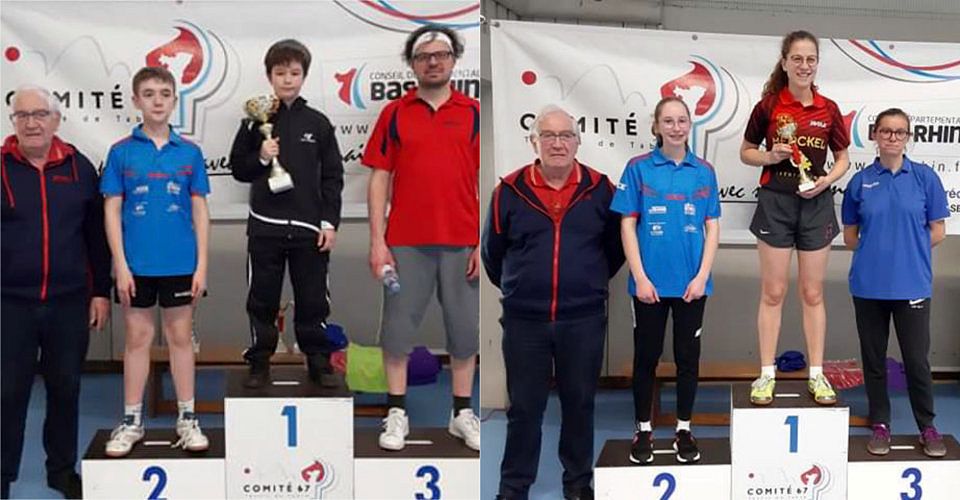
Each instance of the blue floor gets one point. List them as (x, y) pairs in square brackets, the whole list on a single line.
[(614, 420), (101, 405)]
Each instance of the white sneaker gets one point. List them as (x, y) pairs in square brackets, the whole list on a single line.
[(123, 438), (191, 437), (466, 426), (396, 427)]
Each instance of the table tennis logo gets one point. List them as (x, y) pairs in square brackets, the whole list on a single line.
[(405, 18), (320, 475), (806, 483), (200, 62), (713, 96)]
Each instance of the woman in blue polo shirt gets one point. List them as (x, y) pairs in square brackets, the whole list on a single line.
[(669, 205), (893, 214)]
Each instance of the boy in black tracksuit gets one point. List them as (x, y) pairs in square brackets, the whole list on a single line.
[(296, 227)]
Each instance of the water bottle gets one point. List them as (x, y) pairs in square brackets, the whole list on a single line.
[(389, 278)]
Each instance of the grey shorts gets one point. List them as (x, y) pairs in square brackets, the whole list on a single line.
[(786, 220), (422, 270)]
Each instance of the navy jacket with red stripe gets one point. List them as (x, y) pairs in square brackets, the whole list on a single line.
[(53, 241), (552, 270)]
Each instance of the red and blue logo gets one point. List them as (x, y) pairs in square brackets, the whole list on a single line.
[(349, 92), (871, 56), (704, 90), (385, 15), (198, 60)]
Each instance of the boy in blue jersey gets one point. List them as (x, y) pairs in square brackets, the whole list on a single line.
[(155, 186), (670, 230)]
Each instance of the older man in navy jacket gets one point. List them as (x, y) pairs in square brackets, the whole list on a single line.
[(551, 244), (55, 284)]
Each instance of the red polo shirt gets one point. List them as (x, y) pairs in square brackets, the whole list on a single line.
[(817, 127), (555, 200), (435, 160)]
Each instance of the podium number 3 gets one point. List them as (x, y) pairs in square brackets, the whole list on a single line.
[(793, 422), (434, 478), (913, 473), (156, 470), (290, 412), (671, 484)]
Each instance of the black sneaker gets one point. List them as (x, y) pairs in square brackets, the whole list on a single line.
[(686, 447), (582, 493), (68, 484), (321, 371), (259, 376), (641, 451)]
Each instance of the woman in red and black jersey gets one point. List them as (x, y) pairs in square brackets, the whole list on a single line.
[(796, 125)]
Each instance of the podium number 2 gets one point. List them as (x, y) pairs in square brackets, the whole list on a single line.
[(434, 478), (671, 484), (913, 473), (156, 470), (793, 422), (290, 412)]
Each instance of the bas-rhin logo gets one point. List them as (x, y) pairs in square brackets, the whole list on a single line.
[(713, 96), (200, 62), (349, 92)]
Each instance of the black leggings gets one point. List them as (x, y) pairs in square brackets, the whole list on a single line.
[(649, 330), (912, 320)]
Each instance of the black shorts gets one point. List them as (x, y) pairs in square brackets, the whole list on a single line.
[(172, 291), (785, 220)]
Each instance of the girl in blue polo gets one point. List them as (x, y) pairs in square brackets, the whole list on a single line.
[(893, 214), (670, 209)]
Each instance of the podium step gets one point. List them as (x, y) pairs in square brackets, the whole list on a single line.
[(433, 464), (286, 382), (154, 469), (791, 449), (292, 438), (904, 473), (615, 477)]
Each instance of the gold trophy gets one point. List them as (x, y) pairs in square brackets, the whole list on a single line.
[(260, 108), (786, 133)]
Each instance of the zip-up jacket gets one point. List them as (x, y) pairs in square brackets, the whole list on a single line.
[(53, 242), (309, 152), (549, 269)]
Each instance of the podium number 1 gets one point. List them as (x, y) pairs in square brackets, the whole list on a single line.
[(290, 411), (793, 422), (666, 477), (156, 470), (913, 473)]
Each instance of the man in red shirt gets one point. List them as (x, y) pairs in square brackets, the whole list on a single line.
[(425, 150)]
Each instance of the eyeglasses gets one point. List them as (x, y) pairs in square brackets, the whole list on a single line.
[(550, 137), (23, 116), (900, 133), (442, 56)]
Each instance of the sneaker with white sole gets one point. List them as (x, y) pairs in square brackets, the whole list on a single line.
[(396, 428), (123, 438), (466, 426), (191, 437)]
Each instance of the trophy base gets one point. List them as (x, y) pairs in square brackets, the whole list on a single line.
[(280, 183), (806, 186)]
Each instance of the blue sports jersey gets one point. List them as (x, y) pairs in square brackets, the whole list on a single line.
[(156, 185), (672, 203), (894, 212)]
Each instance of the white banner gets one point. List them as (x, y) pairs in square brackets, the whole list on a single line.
[(87, 52), (610, 79)]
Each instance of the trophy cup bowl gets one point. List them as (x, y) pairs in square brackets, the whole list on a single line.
[(260, 108)]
